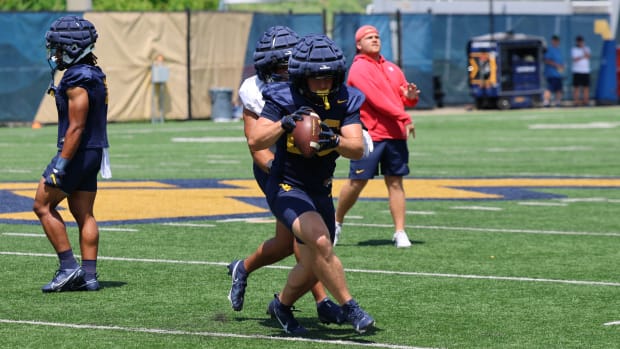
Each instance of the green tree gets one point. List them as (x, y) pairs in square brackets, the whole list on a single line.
[(302, 6), (111, 5)]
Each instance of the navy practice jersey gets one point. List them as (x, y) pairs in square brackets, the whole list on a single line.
[(289, 166), (92, 79)]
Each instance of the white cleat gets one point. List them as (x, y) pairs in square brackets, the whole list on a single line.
[(401, 240), (337, 233)]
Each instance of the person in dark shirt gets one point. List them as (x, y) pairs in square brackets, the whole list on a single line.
[(554, 69), (82, 105), (299, 189)]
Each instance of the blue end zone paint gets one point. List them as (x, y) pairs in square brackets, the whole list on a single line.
[(10, 202), (512, 193), (260, 202), (196, 183)]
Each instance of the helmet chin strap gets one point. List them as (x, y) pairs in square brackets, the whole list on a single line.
[(323, 94), (51, 90)]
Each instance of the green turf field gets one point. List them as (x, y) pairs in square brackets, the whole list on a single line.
[(514, 217)]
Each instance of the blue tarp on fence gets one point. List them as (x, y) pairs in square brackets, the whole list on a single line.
[(430, 45), (24, 73)]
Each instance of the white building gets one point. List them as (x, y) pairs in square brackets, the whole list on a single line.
[(524, 7)]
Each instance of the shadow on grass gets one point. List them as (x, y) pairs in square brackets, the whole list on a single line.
[(111, 284), (383, 243), (317, 330)]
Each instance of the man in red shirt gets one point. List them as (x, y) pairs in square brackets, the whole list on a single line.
[(383, 113)]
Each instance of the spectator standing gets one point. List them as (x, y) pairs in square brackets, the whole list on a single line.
[(580, 54), (383, 113), (554, 69)]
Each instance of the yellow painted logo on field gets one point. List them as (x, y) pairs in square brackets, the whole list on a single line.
[(147, 201)]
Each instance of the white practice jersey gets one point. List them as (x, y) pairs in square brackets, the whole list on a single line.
[(251, 94)]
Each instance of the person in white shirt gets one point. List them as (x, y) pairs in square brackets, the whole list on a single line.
[(580, 54)]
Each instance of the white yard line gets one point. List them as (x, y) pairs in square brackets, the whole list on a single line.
[(124, 230), (367, 271), (541, 203), (28, 235), (602, 200), (207, 334), (208, 139), (489, 230), (14, 170), (477, 208), (612, 323), (196, 225), (132, 230), (356, 217), (580, 126)]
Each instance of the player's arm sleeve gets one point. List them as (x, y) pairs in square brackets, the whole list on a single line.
[(267, 128)]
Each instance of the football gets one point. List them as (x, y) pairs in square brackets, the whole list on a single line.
[(306, 134)]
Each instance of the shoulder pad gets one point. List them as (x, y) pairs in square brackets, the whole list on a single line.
[(78, 75), (280, 94), (355, 98)]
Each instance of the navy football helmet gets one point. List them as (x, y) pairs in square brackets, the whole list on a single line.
[(316, 55), (68, 40), (272, 52)]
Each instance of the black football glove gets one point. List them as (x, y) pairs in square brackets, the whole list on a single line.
[(54, 178), (327, 138), (288, 122)]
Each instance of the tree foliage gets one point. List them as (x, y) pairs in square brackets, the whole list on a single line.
[(111, 5), (296, 6)]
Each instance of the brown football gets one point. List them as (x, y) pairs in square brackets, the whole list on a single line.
[(306, 134)]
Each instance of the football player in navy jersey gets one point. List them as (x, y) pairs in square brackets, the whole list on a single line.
[(82, 104), (299, 189), (271, 64)]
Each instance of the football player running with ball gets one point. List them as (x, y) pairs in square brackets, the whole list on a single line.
[(271, 63), (299, 189), (82, 103)]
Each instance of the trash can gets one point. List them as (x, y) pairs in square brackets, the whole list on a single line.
[(159, 77), (221, 104)]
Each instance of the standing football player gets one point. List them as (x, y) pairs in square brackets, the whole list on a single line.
[(271, 63), (82, 104), (299, 189)]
